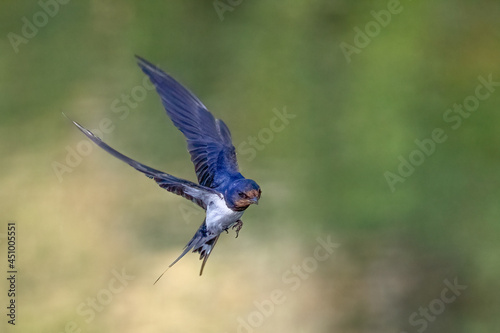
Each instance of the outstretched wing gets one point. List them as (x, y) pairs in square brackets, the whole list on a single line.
[(198, 194), (208, 139)]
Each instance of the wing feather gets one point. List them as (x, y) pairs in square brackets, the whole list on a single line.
[(209, 139), (198, 194)]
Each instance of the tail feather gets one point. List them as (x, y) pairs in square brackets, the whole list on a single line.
[(206, 250), (202, 242)]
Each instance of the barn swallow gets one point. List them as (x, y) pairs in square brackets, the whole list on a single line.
[(221, 191)]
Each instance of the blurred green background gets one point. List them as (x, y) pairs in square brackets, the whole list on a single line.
[(82, 220)]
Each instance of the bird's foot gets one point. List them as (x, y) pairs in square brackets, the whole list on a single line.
[(238, 225)]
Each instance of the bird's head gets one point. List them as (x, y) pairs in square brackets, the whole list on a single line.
[(242, 193)]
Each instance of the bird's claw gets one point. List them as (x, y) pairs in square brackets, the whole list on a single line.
[(238, 225)]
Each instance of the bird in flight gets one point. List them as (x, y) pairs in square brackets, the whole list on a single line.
[(221, 191)]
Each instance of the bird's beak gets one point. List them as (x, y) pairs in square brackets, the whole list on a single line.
[(255, 201)]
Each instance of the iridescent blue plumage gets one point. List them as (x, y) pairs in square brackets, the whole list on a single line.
[(208, 139), (222, 191)]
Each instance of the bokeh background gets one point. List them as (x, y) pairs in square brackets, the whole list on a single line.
[(84, 219)]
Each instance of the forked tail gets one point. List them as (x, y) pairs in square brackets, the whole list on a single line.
[(202, 242)]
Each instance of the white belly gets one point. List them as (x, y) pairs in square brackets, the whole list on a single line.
[(219, 216)]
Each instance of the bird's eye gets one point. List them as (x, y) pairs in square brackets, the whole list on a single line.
[(242, 195)]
